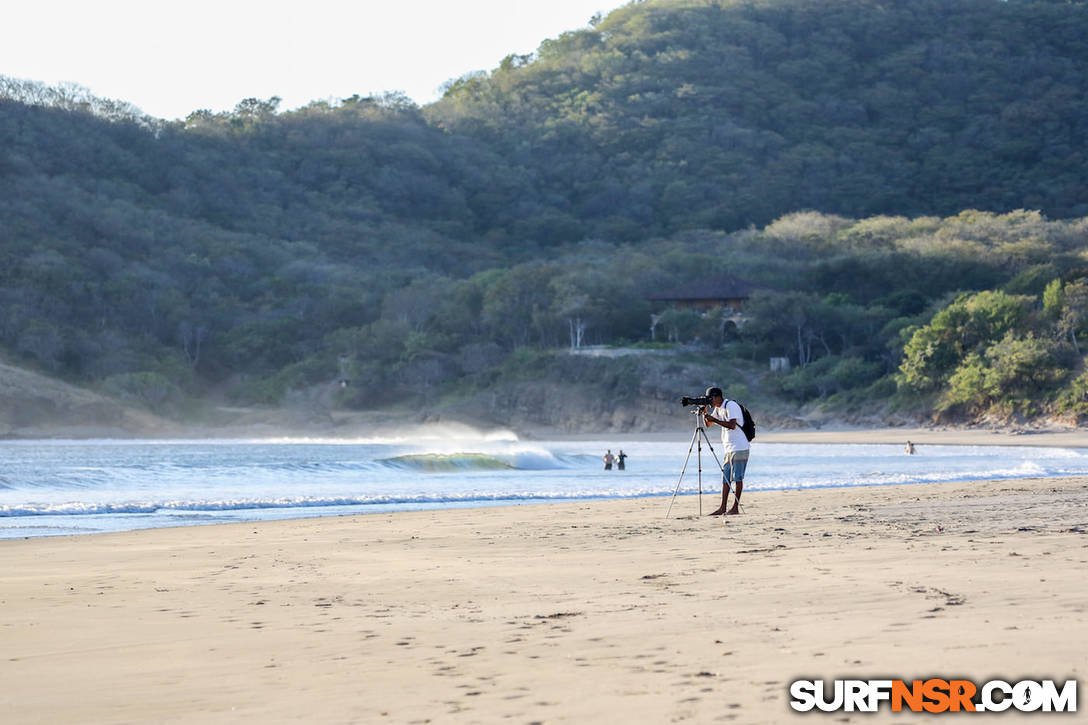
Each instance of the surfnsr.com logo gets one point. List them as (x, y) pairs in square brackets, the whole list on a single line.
[(933, 695)]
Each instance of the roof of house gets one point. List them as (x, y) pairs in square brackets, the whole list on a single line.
[(724, 287)]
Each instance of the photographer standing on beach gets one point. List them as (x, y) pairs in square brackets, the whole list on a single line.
[(735, 446)]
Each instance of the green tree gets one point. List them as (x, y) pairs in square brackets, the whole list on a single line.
[(1008, 375), (1054, 299), (516, 306), (679, 324), (966, 326), (1073, 319), (789, 322)]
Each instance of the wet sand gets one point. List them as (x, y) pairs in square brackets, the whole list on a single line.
[(571, 612)]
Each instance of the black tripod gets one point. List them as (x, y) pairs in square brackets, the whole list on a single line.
[(697, 438)]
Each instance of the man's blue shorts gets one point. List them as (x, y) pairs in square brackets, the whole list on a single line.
[(733, 468)]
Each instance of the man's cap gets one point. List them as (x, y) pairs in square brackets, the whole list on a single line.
[(711, 392)]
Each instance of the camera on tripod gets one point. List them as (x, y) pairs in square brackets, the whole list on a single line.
[(701, 400)]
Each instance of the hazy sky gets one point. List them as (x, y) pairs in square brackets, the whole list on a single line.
[(171, 58)]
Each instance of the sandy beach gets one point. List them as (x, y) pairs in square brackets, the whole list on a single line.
[(570, 612)]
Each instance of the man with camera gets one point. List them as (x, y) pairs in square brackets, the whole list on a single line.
[(735, 446)]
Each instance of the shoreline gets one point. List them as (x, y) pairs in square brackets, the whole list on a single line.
[(570, 612), (58, 524), (1052, 437), (936, 436)]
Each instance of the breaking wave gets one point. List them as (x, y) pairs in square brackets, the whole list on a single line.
[(522, 460), (446, 462)]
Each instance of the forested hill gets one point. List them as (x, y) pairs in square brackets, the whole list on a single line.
[(405, 249), (671, 114)]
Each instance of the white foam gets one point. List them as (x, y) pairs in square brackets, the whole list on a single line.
[(142, 484)]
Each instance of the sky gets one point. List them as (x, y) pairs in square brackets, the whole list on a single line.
[(172, 58)]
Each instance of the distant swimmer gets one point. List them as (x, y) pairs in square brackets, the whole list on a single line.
[(620, 460), (910, 448), (608, 459)]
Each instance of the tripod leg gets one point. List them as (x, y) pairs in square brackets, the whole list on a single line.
[(712, 451), (694, 436), (700, 458)]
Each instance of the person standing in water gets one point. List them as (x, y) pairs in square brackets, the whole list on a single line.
[(620, 460), (608, 459)]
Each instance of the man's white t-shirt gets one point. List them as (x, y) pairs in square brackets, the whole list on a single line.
[(733, 439)]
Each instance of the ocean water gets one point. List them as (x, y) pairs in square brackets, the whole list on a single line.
[(59, 487)]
